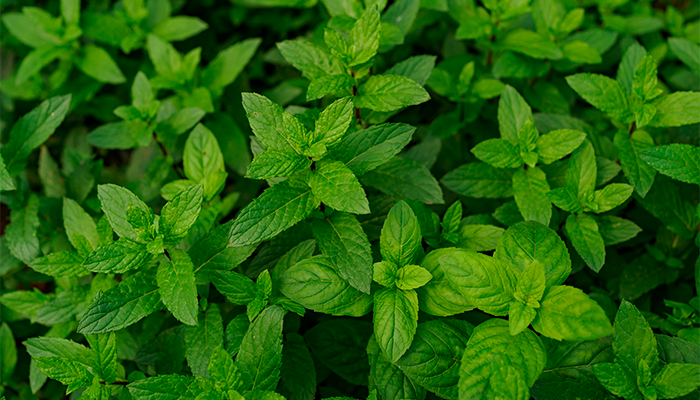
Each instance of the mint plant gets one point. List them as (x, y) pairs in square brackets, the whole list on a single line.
[(356, 199)]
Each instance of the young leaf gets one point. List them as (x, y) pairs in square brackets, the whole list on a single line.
[(364, 36), (176, 285), (260, 356), (103, 351), (334, 121), (335, 185), (369, 148), (629, 149), (513, 113), (499, 153), (389, 93), (633, 340), (584, 235), (179, 214), (603, 93), (115, 201), (530, 190), (117, 257), (401, 238), (558, 143), (566, 313), (395, 321), (412, 277)]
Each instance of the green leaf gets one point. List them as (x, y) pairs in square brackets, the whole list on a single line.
[(202, 155), (412, 277), (628, 65), (531, 285), (583, 232), (78, 222), (679, 161), (179, 214), (400, 240), (491, 346), (486, 282), (433, 359), (645, 81), (68, 372), (179, 28), (417, 68), (334, 121), (309, 58), (335, 185), (519, 317), (629, 149), (6, 182), (29, 31), (228, 64), (581, 172), (327, 85), (121, 135), (614, 378), (527, 242), (676, 380), (340, 344), (579, 51), (616, 230), (9, 353), (181, 121), (395, 321), (314, 284), (36, 60), (343, 242), (369, 148), (98, 64), (405, 178), (479, 237), (115, 201), (32, 130), (666, 203), (603, 93), (260, 356), (298, 372), (21, 233), (513, 113), (389, 93), (438, 297), (480, 180), (275, 210), (168, 387), (531, 44), (567, 313), (117, 257), (203, 339), (364, 36), (633, 340), (687, 52), (558, 143), (103, 352), (60, 264), (131, 300), (223, 370), (530, 189), (677, 109), (610, 197), (384, 273), (266, 119), (238, 289), (176, 286), (499, 153)]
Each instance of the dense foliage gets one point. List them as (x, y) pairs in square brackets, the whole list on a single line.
[(368, 199)]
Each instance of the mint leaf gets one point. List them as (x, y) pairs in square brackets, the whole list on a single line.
[(228, 64), (260, 356), (558, 143), (479, 180), (499, 153), (274, 164), (369, 148), (676, 380), (566, 313), (395, 321), (679, 161), (633, 340), (513, 113), (202, 340), (309, 58), (530, 190), (98, 64), (610, 197), (405, 178), (343, 242), (21, 233), (364, 36), (60, 264), (438, 297), (412, 277), (389, 93), (676, 109), (328, 84), (400, 239), (603, 93), (266, 119), (176, 285), (180, 213), (335, 185), (584, 235), (531, 44), (115, 201), (238, 289), (103, 351), (117, 257), (629, 149)]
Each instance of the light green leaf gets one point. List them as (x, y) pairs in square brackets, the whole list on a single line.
[(628, 65), (389, 93), (223, 370), (531, 285), (633, 340), (179, 214), (103, 352), (676, 380), (28, 31), (499, 153), (645, 81), (121, 135), (519, 317), (490, 346), (679, 161), (276, 209), (328, 85), (417, 68), (686, 51), (117, 257), (266, 119), (131, 300), (228, 64), (567, 313), (603, 93), (335, 185), (176, 285), (389, 381), (334, 121), (369, 148), (21, 233), (438, 297), (179, 28), (584, 235), (610, 197), (526, 242), (98, 64), (579, 51), (558, 143), (485, 282), (36, 60), (115, 201), (412, 277), (400, 239), (677, 109), (181, 121), (238, 289), (530, 189), (479, 237), (60, 264), (343, 242), (6, 182), (513, 113), (312, 60), (629, 149), (8, 357), (78, 222), (68, 372), (32, 130), (364, 36), (314, 284), (531, 44), (168, 387), (581, 173), (395, 321), (614, 378), (479, 180)]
